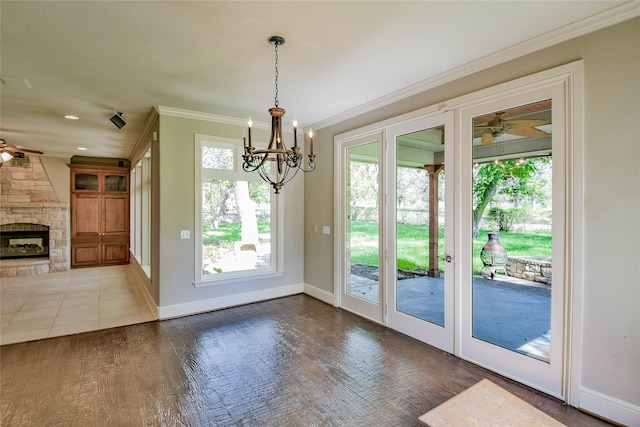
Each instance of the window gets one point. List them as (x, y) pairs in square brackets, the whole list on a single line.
[(140, 236), (236, 215)]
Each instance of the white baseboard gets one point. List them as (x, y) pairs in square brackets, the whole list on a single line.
[(195, 307), (318, 293), (609, 407)]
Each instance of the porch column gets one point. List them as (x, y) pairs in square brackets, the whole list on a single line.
[(433, 171)]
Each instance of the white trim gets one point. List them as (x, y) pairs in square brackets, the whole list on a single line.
[(609, 407), (608, 18), (576, 270), (317, 293), (211, 304)]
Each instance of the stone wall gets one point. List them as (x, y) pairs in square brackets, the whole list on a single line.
[(534, 269)]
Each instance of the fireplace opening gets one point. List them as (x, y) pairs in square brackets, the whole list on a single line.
[(23, 240)]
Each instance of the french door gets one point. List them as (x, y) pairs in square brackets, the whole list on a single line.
[(420, 273), (359, 225), (512, 296), (457, 228)]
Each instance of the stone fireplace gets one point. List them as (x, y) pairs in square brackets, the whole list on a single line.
[(30, 213)]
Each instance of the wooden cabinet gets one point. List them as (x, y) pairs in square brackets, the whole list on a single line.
[(99, 215)]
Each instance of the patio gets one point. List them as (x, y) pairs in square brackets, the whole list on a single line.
[(508, 312)]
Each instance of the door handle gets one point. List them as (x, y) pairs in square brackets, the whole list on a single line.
[(448, 258)]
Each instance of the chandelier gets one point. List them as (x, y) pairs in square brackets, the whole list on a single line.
[(277, 164)]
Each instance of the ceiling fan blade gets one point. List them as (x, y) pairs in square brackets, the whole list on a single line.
[(528, 132), (22, 150), (485, 127), (525, 123), (487, 138)]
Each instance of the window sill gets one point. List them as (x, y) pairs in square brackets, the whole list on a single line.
[(235, 278)]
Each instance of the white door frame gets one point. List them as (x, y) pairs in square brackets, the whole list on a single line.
[(441, 337), (362, 307), (543, 375)]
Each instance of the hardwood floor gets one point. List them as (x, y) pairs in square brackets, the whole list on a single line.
[(288, 362)]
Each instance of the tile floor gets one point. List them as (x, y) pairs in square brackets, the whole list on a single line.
[(79, 300)]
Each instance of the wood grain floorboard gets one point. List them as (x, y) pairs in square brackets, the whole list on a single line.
[(288, 362)]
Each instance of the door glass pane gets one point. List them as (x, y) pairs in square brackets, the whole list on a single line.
[(512, 195), (362, 225), (420, 224)]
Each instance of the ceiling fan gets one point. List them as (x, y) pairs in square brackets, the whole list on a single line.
[(497, 126), (8, 152)]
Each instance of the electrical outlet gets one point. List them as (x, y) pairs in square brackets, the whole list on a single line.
[(185, 234), (326, 229)]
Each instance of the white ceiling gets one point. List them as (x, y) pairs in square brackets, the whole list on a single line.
[(94, 58)]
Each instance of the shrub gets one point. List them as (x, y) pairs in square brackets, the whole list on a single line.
[(506, 218)]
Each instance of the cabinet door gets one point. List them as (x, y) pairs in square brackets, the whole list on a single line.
[(115, 252), (85, 210), (115, 215), (85, 254), (85, 229), (115, 230)]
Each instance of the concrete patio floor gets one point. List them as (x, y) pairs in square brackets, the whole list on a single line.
[(508, 312)]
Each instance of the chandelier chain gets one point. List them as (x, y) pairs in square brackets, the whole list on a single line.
[(276, 99)]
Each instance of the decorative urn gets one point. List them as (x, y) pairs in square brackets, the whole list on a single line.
[(493, 253)]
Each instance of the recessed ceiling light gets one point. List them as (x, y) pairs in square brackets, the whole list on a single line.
[(82, 148), (71, 117)]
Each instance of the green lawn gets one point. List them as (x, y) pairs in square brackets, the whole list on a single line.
[(413, 243), (229, 232)]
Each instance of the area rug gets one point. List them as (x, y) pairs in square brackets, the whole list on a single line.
[(486, 404)]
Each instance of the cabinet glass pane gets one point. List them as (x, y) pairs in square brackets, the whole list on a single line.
[(86, 181), (115, 183)]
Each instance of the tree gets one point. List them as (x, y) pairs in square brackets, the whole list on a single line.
[(511, 177), (247, 209)]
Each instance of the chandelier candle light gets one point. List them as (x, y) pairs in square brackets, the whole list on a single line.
[(286, 162)]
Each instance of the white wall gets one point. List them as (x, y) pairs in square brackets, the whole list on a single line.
[(174, 268), (609, 373)]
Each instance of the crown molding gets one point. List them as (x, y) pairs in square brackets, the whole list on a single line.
[(208, 117), (216, 118), (588, 25)]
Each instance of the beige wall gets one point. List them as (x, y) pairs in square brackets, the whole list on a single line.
[(611, 290), (174, 161), (59, 176)]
